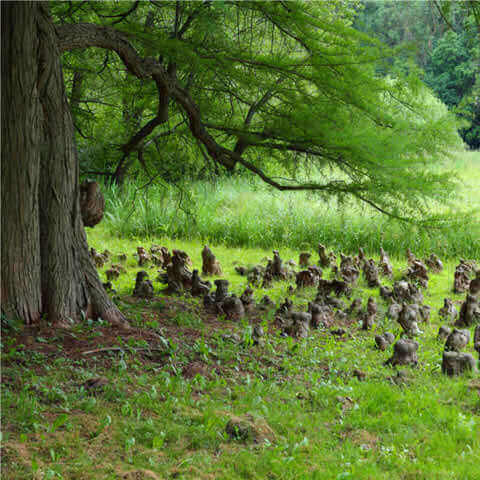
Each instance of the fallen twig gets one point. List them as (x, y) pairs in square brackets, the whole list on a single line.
[(120, 349)]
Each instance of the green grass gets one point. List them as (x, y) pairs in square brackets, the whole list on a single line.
[(152, 417), (239, 213)]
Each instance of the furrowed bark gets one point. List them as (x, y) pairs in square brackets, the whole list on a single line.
[(20, 246), (46, 266), (70, 283), (63, 289)]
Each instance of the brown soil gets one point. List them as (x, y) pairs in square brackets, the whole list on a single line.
[(102, 345)]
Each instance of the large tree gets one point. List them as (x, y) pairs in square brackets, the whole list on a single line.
[(289, 81), (46, 266)]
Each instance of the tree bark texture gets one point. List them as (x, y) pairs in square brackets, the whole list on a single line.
[(21, 130), (60, 267)]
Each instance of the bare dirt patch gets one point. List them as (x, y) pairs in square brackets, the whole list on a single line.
[(362, 438)]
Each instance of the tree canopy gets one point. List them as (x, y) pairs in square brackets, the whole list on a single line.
[(288, 91)]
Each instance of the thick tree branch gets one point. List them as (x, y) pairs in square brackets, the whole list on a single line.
[(91, 35), (84, 35)]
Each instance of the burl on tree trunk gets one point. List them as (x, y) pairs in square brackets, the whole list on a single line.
[(46, 267), (92, 203)]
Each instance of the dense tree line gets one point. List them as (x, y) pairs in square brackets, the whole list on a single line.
[(443, 39)]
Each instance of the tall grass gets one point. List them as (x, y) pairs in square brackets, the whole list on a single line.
[(238, 212)]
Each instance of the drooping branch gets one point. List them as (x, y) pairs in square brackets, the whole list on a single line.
[(86, 35), (91, 35)]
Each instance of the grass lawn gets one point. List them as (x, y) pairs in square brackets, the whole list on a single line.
[(177, 378)]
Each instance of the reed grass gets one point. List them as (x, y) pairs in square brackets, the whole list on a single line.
[(239, 212)]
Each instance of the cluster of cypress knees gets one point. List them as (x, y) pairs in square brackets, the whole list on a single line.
[(404, 299)]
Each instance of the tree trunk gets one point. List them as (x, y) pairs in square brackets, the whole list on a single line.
[(21, 130), (60, 266), (119, 175)]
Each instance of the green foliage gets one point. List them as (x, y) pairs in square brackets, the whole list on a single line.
[(237, 212), (288, 91), (451, 72), (453, 75), (395, 25), (443, 36)]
